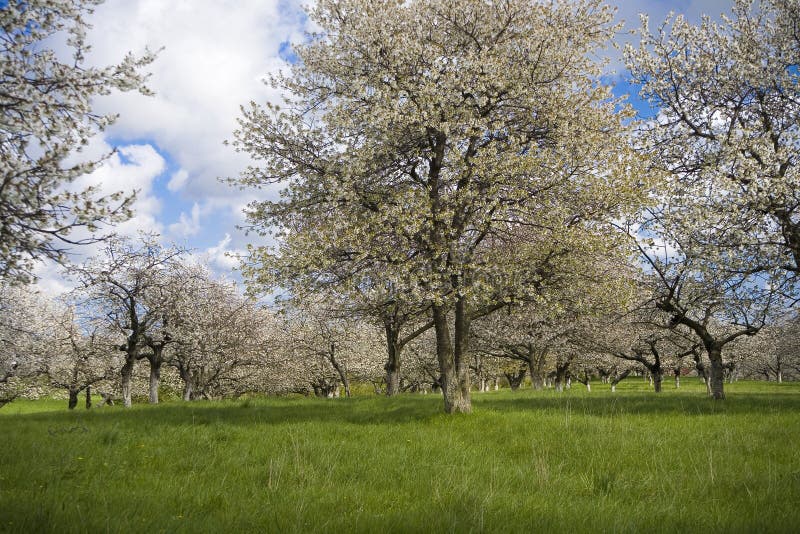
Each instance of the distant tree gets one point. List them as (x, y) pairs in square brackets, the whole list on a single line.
[(27, 339), (771, 355), (45, 117), (641, 336), (219, 338), (84, 354), (129, 286), (331, 349), (726, 139)]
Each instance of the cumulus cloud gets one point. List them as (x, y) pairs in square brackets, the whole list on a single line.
[(178, 180), (215, 57), (222, 256), (131, 169), (187, 225)]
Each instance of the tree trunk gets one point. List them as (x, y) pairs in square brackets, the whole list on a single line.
[(619, 378), (73, 398), (454, 399), (658, 378), (88, 397), (717, 373), (677, 379), (340, 370), (780, 377), (188, 384), (127, 379), (155, 379), (461, 355), (561, 377), (536, 370), (515, 379), (392, 366)]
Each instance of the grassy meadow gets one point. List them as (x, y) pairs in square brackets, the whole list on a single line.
[(631, 461)]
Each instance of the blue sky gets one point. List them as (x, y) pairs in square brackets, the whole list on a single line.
[(215, 55)]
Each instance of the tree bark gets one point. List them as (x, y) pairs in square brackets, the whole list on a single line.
[(717, 373), (392, 366), (461, 356), (561, 377), (452, 391), (515, 379), (127, 379), (73, 398), (188, 389), (536, 369), (155, 379), (156, 360), (88, 397), (339, 369), (658, 378)]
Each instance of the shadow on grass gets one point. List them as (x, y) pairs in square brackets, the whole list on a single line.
[(644, 403), (269, 411), (408, 409)]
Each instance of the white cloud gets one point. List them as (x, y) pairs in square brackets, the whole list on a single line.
[(50, 279), (215, 55), (187, 225), (178, 180), (132, 169), (223, 257)]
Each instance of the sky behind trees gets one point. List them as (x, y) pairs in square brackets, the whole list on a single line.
[(214, 56)]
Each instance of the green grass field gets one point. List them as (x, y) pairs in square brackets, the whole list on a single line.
[(632, 461)]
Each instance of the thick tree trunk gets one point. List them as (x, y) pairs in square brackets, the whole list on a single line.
[(536, 371), (658, 378), (515, 379), (73, 398), (677, 379), (561, 378), (780, 377), (155, 379), (188, 389), (461, 356), (392, 366), (537, 381), (188, 384), (717, 373), (453, 375), (127, 379), (88, 397)]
